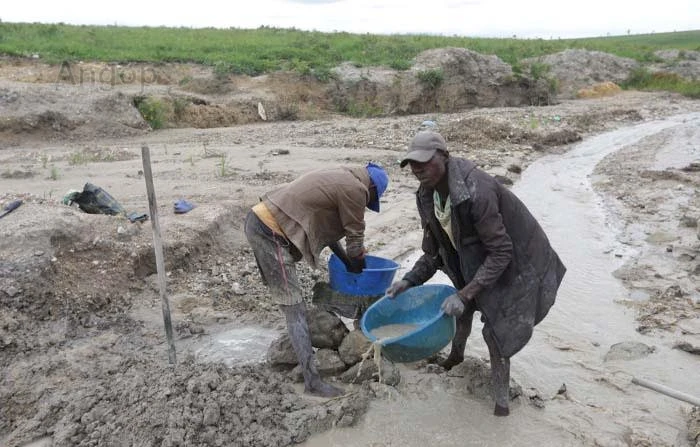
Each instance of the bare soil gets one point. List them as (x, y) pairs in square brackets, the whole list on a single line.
[(84, 358)]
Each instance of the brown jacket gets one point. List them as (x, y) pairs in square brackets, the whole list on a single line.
[(322, 207), (499, 244)]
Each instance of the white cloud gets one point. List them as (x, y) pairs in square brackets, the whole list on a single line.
[(497, 18)]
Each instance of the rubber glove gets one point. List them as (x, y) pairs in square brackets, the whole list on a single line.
[(453, 306), (352, 265), (355, 265), (398, 287)]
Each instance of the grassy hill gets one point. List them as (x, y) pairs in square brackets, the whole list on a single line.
[(263, 50), (270, 49)]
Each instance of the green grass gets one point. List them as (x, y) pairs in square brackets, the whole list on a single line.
[(643, 79), (267, 49)]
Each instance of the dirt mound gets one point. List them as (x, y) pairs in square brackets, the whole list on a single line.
[(139, 403), (685, 64), (69, 286), (578, 69), (59, 112), (444, 80), (86, 100)]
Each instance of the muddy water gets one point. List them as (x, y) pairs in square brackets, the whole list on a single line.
[(234, 346), (600, 406), (392, 330)]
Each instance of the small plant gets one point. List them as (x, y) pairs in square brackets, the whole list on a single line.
[(323, 74), (78, 158), (222, 70), (287, 109), (179, 107), (400, 64), (361, 109), (152, 110), (432, 78), (539, 70), (53, 175), (222, 170)]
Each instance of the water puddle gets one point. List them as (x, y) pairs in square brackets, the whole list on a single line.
[(236, 346), (568, 347)]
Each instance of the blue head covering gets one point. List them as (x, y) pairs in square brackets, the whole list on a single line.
[(380, 180)]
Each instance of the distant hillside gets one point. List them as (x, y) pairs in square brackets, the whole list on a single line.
[(264, 50)]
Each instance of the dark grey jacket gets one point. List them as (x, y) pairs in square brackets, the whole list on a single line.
[(499, 244)]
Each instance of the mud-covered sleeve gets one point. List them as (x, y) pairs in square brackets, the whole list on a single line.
[(351, 209), (429, 262), (488, 223)]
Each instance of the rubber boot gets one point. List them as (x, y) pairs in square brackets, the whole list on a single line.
[(298, 329), (500, 375), (459, 341)]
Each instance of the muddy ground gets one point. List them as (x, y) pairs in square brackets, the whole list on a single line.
[(84, 356)]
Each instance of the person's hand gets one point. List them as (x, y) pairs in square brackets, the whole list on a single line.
[(355, 265), (453, 305), (398, 287)]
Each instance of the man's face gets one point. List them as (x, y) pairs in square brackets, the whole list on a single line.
[(430, 172)]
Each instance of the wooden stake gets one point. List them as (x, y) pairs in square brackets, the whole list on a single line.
[(158, 247)]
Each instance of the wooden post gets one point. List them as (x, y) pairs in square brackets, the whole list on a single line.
[(158, 247)]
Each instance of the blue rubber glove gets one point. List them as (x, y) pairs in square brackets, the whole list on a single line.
[(453, 306)]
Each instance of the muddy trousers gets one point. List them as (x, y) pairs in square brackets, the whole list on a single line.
[(500, 366), (276, 256), (298, 329)]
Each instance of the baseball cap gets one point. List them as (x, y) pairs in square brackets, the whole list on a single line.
[(423, 146), (380, 180)]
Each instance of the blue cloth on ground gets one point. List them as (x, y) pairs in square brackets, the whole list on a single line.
[(182, 206)]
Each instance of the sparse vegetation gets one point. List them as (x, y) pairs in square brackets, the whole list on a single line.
[(54, 174), (431, 78), (643, 79), (222, 167), (358, 109), (152, 110)]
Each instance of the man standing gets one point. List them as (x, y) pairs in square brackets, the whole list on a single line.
[(296, 222), (492, 249)]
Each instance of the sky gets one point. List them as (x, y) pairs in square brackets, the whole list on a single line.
[(547, 19)]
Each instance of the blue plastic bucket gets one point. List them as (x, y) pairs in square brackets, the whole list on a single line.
[(374, 279), (418, 306)]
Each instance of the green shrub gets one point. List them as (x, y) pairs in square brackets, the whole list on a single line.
[(323, 74), (432, 78), (539, 70), (400, 64), (643, 79), (361, 109), (152, 110)]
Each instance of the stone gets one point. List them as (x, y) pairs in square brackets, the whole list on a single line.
[(628, 350), (353, 346), (327, 330)]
